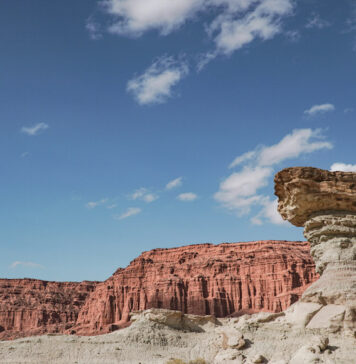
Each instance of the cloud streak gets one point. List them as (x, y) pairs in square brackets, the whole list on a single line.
[(93, 204), (187, 197), (131, 211), (25, 264), (35, 129), (174, 183), (319, 109)]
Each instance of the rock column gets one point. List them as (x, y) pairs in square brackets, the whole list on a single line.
[(324, 203)]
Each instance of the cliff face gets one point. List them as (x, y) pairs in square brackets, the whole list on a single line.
[(222, 280), (33, 307)]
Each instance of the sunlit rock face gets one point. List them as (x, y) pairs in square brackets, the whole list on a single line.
[(205, 279), (34, 307), (220, 280), (325, 204)]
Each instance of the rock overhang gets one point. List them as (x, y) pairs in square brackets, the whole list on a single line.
[(304, 191)]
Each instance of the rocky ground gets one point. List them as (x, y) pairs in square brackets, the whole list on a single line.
[(295, 336)]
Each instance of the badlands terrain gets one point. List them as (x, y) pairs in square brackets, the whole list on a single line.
[(201, 306)]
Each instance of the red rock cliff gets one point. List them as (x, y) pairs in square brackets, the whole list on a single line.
[(33, 307), (222, 280)]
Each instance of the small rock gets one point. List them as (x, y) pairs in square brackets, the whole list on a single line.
[(236, 342), (258, 359)]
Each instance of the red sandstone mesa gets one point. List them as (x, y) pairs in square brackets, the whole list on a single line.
[(222, 280), (202, 279)]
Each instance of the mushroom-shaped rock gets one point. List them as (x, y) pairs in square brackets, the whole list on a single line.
[(324, 203), (304, 191)]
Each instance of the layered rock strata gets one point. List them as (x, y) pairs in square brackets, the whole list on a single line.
[(33, 307), (220, 280), (205, 279), (325, 204)]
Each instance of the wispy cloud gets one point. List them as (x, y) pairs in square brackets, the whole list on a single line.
[(25, 264), (156, 84), (112, 206), (93, 204), (240, 191), (319, 109), (150, 197), (174, 183), (293, 35), (94, 29), (243, 158), (24, 154), (143, 194), (35, 129), (241, 22), (187, 196), (343, 167), (131, 211), (315, 21), (234, 24), (139, 193)]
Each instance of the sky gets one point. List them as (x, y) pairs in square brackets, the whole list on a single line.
[(129, 125)]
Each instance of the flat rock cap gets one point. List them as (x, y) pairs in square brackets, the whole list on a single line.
[(302, 191)]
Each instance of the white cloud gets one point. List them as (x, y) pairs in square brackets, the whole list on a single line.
[(174, 183), (156, 83), (139, 193), (25, 264), (293, 35), (94, 29), (131, 211), (235, 23), (150, 197), (343, 167), (315, 21), (244, 21), (348, 110), (112, 206), (134, 17), (319, 109), (187, 196), (243, 158), (35, 129), (239, 192), (93, 204), (270, 213), (143, 194), (300, 141), (24, 154)]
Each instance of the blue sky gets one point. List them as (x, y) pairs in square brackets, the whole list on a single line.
[(128, 125)]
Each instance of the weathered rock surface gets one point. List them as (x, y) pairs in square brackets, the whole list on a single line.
[(325, 204), (303, 191), (219, 280), (158, 336), (33, 307), (203, 279)]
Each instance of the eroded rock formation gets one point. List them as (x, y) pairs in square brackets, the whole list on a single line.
[(203, 279), (33, 307), (221, 280), (325, 204)]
